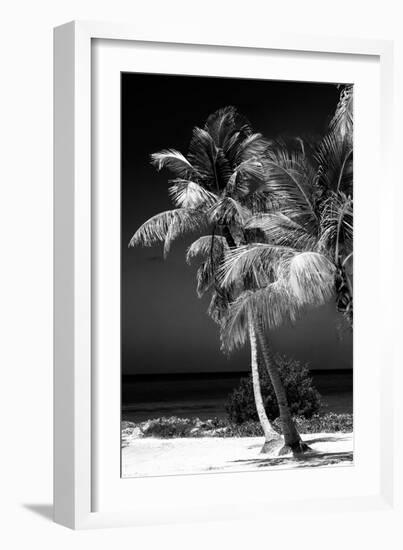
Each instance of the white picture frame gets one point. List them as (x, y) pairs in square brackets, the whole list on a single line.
[(78, 472)]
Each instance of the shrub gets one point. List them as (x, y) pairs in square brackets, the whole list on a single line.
[(303, 399), (167, 427)]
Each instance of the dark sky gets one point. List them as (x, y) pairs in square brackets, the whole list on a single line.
[(165, 327)]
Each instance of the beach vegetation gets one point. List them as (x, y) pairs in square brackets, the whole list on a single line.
[(303, 398), (175, 427)]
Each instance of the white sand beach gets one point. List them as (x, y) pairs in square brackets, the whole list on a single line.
[(153, 456)]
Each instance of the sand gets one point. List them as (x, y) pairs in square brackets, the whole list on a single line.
[(153, 456)]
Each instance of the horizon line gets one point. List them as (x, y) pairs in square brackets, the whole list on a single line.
[(221, 374)]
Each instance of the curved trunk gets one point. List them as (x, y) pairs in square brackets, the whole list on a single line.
[(272, 438), (292, 439)]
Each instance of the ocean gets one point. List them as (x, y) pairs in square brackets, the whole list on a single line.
[(204, 395)]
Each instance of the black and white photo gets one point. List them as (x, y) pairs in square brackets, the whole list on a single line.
[(236, 274)]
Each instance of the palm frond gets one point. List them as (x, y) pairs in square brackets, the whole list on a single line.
[(344, 290), (209, 160), (342, 121), (174, 161), (261, 199), (233, 143), (290, 176), (334, 156), (311, 278), (337, 226), (205, 246), (227, 211), (189, 194), (223, 169), (250, 169), (205, 277), (167, 226), (270, 306), (240, 261), (202, 154), (253, 146), (219, 304), (224, 122), (282, 230)]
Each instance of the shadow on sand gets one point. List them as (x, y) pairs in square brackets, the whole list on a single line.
[(308, 460), (327, 439)]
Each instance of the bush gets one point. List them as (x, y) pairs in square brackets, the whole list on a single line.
[(304, 400), (167, 427), (174, 426)]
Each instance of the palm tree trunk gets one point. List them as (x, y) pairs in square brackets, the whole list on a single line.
[(272, 438), (292, 439)]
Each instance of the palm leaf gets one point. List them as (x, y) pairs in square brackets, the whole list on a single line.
[(202, 154), (337, 226), (250, 169), (270, 306), (223, 170), (189, 194), (223, 123), (205, 277), (342, 121), (344, 290), (282, 230), (219, 303), (253, 146), (334, 156), (167, 226), (233, 142), (261, 199), (240, 261), (209, 160), (227, 211), (311, 278), (205, 246), (174, 161), (290, 176)]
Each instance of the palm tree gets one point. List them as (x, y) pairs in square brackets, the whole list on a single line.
[(214, 249), (305, 247), (217, 187), (314, 184), (261, 310)]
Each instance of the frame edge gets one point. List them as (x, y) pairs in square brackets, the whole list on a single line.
[(72, 414), (63, 335)]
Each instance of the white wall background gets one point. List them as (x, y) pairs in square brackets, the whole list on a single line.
[(26, 263)]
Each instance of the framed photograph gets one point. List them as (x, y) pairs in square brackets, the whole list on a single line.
[(204, 265)]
